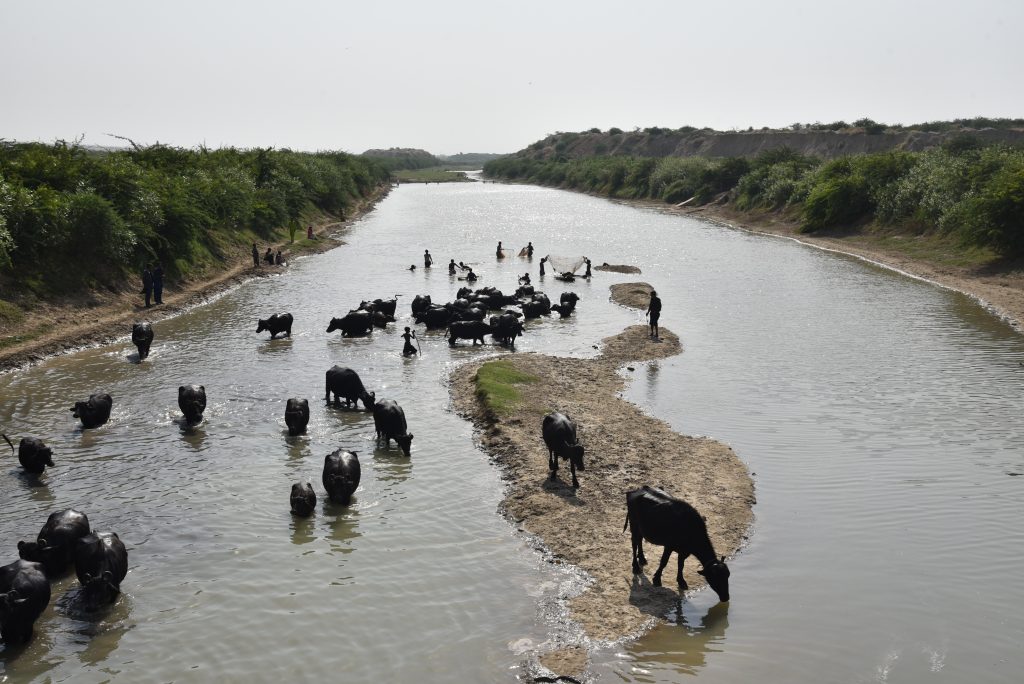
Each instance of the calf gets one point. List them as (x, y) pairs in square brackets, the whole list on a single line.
[(101, 563), (33, 455), (296, 416), (55, 544), (663, 520), (559, 432), (24, 595), (142, 338), (341, 475), (278, 323), (192, 402), (303, 499), (389, 421), (94, 412)]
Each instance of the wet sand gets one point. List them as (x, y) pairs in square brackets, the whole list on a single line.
[(625, 450)]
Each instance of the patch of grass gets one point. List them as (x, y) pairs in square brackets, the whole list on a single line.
[(496, 386), (10, 314)]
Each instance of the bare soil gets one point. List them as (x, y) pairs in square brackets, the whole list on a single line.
[(101, 317), (625, 449)]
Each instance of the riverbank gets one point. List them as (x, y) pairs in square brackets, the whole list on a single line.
[(625, 450), (101, 317)]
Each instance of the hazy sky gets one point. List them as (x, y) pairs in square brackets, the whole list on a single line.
[(491, 75)]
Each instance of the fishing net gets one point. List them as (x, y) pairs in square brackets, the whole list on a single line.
[(561, 264)]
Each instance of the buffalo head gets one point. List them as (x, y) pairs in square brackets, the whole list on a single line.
[(576, 456), (717, 575), (335, 325), (262, 325), (405, 442), (30, 551)]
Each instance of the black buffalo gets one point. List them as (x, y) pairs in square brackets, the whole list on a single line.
[(559, 432), (389, 421), (346, 384), (467, 330), (303, 499), (55, 545), (663, 520), (535, 309), (506, 328), (569, 298), (95, 411), (33, 455), (24, 595), (384, 306), (101, 563), (278, 323), (341, 475), (192, 402), (420, 303), (357, 322), (524, 291), (142, 338), (296, 416), (435, 317)]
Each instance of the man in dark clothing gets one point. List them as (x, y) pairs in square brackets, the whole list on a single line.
[(654, 313), (587, 274), (542, 260), (427, 259), (451, 267), (158, 283), (529, 250), (408, 349), (255, 256), (147, 284)]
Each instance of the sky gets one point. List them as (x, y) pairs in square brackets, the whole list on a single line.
[(490, 75)]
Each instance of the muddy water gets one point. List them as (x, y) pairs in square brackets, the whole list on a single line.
[(881, 415)]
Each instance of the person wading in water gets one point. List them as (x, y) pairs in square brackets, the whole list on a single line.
[(409, 336)]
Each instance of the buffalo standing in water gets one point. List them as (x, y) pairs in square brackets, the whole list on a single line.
[(296, 416), (94, 412), (54, 546), (559, 432), (341, 475), (33, 455), (101, 563), (389, 421), (303, 499), (278, 323), (663, 520), (24, 595), (357, 322), (346, 384), (192, 402), (142, 338)]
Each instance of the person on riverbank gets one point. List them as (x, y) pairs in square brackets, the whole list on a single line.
[(451, 267), (147, 284), (408, 336), (279, 258), (427, 259), (158, 283), (255, 256), (654, 313), (268, 256), (309, 233)]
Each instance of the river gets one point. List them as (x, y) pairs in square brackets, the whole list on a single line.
[(881, 415)]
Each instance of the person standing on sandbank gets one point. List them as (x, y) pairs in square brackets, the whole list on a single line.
[(147, 284), (654, 313), (158, 283), (255, 256)]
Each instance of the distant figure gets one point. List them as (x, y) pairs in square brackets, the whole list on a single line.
[(309, 232), (279, 259), (268, 256), (147, 284), (408, 336), (158, 284), (529, 250), (255, 256), (498, 253), (525, 279), (451, 267), (654, 313), (463, 266), (470, 277), (412, 267), (427, 259), (542, 260), (587, 274)]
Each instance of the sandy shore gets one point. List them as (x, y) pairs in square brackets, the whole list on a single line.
[(99, 319), (625, 449)]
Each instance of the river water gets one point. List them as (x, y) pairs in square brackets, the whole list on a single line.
[(881, 415)]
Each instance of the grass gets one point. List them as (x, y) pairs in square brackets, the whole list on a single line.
[(496, 386), (10, 313), (430, 176)]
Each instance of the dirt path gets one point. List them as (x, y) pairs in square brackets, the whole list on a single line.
[(625, 449), (100, 319)]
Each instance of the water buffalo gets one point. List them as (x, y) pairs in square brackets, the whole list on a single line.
[(559, 432), (389, 421), (296, 416), (467, 330), (356, 322), (435, 317), (278, 323), (24, 595), (420, 303), (464, 292), (524, 291), (380, 320), (192, 402), (535, 309), (55, 544), (384, 306), (94, 412), (303, 499), (506, 328), (101, 563), (341, 475), (663, 520), (142, 338), (33, 455), (569, 298), (346, 384)]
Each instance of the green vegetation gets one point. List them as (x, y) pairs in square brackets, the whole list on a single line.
[(964, 193), (430, 176), (74, 219), (496, 386), (402, 158)]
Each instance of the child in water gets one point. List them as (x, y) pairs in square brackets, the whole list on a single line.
[(409, 336)]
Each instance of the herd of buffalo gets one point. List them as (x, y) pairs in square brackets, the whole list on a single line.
[(100, 559)]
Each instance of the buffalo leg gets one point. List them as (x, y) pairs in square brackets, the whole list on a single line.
[(572, 469), (553, 464), (656, 579), (638, 552), (679, 573)]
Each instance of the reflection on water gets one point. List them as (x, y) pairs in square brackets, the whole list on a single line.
[(303, 530)]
